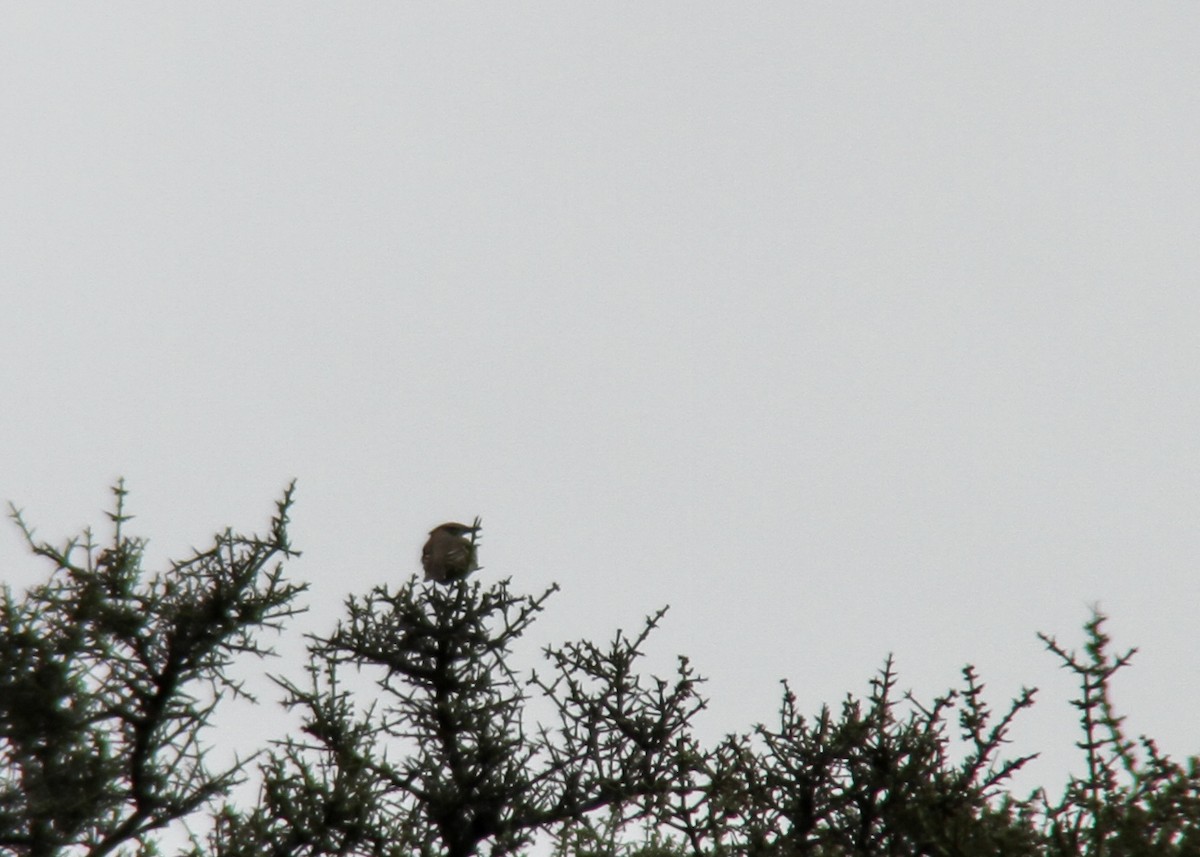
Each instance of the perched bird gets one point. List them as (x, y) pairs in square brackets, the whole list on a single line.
[(449, 554)]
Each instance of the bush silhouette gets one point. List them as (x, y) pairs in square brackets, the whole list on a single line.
[(110, 676)]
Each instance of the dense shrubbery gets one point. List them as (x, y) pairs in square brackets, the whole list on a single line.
[(109, 677)]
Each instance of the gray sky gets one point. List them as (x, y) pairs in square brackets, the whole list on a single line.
[(841, 328)]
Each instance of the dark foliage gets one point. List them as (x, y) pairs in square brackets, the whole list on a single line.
[(867, 782), (441, 761), (109, 676), (419, 737)]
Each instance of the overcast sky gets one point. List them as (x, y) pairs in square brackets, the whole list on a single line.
[(844, 329)]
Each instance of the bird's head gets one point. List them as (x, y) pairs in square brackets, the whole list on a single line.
[(453, 529)]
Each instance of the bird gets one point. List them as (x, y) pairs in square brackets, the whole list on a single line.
[(449, 555)]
